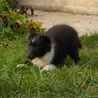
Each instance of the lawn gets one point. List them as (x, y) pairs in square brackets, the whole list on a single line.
[(70, 81)]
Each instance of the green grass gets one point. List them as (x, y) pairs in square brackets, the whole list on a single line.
[(66, 82)]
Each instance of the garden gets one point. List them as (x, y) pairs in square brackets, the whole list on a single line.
[(70, 81)]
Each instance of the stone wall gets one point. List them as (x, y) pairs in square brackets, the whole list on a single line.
[(75, 6)]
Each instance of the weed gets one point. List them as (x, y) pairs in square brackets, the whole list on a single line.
[(12, 23)]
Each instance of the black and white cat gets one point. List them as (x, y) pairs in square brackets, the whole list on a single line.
[(48, 51)]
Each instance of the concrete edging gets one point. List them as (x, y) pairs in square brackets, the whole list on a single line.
[(77, 6)]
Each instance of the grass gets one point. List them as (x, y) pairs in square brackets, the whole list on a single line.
[(66, 82)]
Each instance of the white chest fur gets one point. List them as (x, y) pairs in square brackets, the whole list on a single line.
[(45, 60)]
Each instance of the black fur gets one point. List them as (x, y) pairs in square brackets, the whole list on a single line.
[(39, 47), (64, 38)]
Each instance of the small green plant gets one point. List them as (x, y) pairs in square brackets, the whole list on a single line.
[(12, 3), (13, 24), (4, 7), (36, 26)]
